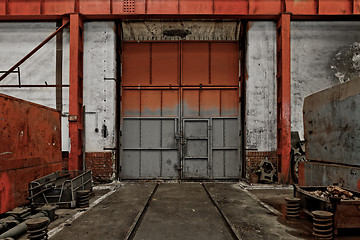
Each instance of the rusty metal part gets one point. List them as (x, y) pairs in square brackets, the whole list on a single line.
[(322, 224), (76, 113), (8, 223), (19, 213), (322, 214), (267, 171), (292, 207), (322, 230), (37, 228), (20, 228), (83, 198), (335, 192), (297, 155), (346, 212), (59, 188), (49, 209), (339, 191), (292, 200), (284, 97), (100, 9)]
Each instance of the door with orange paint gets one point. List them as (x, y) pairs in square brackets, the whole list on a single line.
[(180, 110)]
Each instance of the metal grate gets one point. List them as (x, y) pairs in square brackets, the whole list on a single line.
[(129, 6)]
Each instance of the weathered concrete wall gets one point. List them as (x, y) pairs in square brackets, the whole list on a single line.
[(18, 39), (180, 30), (319, 52), (100, 98), (323, 54), (30, 140), (261, 87), (99, 94)]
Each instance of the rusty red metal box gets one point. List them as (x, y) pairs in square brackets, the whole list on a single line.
[(346, 212), (30, 147)]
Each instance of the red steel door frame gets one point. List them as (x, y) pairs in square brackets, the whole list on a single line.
[(76, 92), (283, 98)]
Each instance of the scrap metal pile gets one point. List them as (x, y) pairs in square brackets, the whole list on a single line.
[(335, 192)]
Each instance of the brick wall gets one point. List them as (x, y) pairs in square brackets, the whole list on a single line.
[(253, 160), (101, 164)]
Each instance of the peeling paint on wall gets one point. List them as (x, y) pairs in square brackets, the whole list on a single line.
[(314, 45), (346, 63), (180, 30), (17, 40), (99, 85), (261, 87)]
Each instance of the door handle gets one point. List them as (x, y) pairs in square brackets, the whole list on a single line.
[(184, 146)]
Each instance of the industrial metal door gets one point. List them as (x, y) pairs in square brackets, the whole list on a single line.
[(180, 110), (196, 149)]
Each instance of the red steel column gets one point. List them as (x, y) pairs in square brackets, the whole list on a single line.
[(283, 97), (76, 92)]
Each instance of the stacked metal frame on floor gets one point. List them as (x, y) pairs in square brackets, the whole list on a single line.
[(59, 188)]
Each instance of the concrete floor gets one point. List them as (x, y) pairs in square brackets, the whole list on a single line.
[(151, 210)]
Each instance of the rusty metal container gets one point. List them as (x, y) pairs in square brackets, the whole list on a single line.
[(30, 147), (331, 124), (331, 128), (346, 212)]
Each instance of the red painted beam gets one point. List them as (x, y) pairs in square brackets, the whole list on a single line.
[(76, 92), (283, 98), (178, 7)]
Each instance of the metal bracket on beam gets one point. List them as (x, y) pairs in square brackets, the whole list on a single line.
[(73, 118)]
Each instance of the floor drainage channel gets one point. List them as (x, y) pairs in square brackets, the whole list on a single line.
[(226, 220), (135, 226)]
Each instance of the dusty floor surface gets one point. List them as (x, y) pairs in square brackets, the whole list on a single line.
[(150, 210)]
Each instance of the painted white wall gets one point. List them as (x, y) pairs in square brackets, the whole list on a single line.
[(99, 94), (261, 87), (17, 40)]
